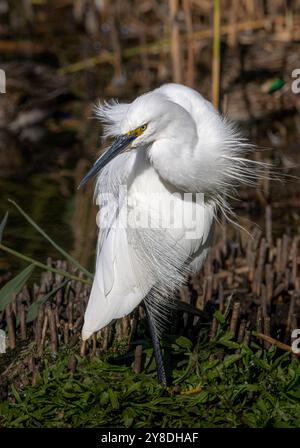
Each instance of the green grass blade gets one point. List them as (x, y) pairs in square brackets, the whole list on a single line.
[(33, 309), (2, 225), (44, 266), (50, 240), (14, 286)]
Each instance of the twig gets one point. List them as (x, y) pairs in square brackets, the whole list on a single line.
[(234, 317), (22, 314), (273, 341), (138, 359), (11, 332), (53, 329)]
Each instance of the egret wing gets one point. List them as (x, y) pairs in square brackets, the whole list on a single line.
[(116, 289)]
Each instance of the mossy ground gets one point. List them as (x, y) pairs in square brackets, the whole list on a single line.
[(214, 384)]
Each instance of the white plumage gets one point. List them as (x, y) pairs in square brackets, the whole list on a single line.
[(146, 247)]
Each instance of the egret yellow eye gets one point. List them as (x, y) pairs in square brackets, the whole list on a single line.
[(138, 131)]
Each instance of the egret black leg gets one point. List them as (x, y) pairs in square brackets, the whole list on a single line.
[(161, 374)]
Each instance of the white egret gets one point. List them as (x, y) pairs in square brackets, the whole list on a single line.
[(169, 143)]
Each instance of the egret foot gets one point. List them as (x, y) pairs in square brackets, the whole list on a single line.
[(161, 373), (193, 391)]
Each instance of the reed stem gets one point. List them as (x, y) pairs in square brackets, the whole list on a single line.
[(216, 57)]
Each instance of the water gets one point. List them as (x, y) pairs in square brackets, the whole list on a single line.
[(50, 197), (40, 197)]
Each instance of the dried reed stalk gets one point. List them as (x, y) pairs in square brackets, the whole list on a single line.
[(216, 64), (190, 71), (175, 42)]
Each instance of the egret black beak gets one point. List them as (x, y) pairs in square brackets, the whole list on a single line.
[(118, 146)]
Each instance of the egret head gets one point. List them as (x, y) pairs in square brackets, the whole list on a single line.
[(152, 117), (148, 119)]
